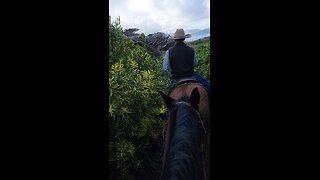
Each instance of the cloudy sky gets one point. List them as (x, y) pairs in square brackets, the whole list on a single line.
[(161, 15)]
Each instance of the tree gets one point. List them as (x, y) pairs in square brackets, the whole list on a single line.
[(155, 43)]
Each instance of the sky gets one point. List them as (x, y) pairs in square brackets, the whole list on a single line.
[(161, 15)]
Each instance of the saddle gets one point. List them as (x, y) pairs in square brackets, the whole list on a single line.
[(186, 80), (183, 81)]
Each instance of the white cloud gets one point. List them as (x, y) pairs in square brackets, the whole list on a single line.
[(165, 16), (139, 5)]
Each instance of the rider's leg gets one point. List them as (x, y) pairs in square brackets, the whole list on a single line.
[(203, 81)]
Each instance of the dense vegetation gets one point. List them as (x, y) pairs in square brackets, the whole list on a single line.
[(136, 110), (202, 48)]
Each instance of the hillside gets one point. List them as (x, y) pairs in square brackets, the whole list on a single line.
[(195, 43), (198, 34), (202, 48)]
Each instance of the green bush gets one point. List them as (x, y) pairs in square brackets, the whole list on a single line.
[(136, 110), (202, 49)]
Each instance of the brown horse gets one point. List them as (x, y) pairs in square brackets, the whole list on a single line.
[(188, 98)]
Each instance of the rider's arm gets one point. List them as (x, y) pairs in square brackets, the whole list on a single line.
[(166, 64)]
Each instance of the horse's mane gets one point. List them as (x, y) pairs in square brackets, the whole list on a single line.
[(184, 156), (184, 98)]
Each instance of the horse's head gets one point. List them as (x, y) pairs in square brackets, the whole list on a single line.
[(184, 137)]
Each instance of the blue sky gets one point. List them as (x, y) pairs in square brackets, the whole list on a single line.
[(161, 15)]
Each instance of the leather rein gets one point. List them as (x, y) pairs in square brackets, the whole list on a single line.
[(169, 124)]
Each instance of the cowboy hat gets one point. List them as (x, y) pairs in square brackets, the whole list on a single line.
[(179, 34)]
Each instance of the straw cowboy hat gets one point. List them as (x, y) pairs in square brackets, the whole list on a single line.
[(179, 34)]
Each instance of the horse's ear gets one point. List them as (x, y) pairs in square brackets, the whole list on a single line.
[(167, 100), (195, 97)]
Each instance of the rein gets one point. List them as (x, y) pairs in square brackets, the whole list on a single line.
[(170, 123), (197, 112), (173, 109)]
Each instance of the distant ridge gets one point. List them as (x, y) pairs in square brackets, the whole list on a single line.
[(199, 40), (192, 31), (198, 34)]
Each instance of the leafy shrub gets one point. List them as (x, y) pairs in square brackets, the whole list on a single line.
[(136, 110), (202, 49)]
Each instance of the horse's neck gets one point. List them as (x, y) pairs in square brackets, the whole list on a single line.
[(184, 149)]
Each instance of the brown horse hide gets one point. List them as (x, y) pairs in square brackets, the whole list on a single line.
[(204, 110)]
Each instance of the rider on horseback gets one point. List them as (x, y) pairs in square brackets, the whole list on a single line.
[(180, 61)]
